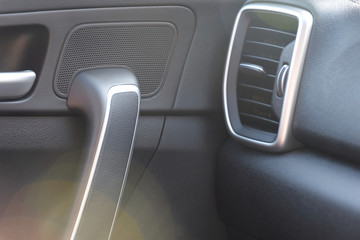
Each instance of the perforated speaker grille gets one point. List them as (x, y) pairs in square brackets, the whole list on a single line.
[(145, 48)]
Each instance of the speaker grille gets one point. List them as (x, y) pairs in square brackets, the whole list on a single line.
[(145, 48)]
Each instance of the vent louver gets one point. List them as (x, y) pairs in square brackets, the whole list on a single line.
[(262, 74), (263, 47)]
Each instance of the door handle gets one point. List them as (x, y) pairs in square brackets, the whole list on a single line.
[(14, 85), (109, 98)]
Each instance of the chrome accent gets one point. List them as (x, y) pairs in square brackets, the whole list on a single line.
[(252, 69), (284, 139), (281, 80), (14, 85), (112, 91)]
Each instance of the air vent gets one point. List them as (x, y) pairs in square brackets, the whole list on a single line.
[(263, 46), (262, 74)]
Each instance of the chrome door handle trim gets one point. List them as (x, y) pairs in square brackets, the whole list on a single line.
[(14, 85), (109, 99)]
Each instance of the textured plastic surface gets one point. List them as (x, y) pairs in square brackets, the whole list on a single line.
[(205, 60), (41, 133), (299, 195), (145, 48), (147, 139), (59, 25), (175, 197)]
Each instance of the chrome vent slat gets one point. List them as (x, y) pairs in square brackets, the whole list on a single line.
[(263, 44), (254, 93), (272, 36), (260, 118), (255, 87), (269, 66), (266, 124), (266, 51), (256, 109), (273, 30), (262, 58), (267, 83), (254, 102)]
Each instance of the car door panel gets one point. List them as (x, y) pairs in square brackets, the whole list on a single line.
[(42, 161)]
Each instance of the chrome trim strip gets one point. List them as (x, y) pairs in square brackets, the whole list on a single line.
[(284, 139), (253, 67), (112, 91)]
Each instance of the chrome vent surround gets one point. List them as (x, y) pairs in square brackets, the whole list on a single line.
[(263, 47), (262, 32)]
